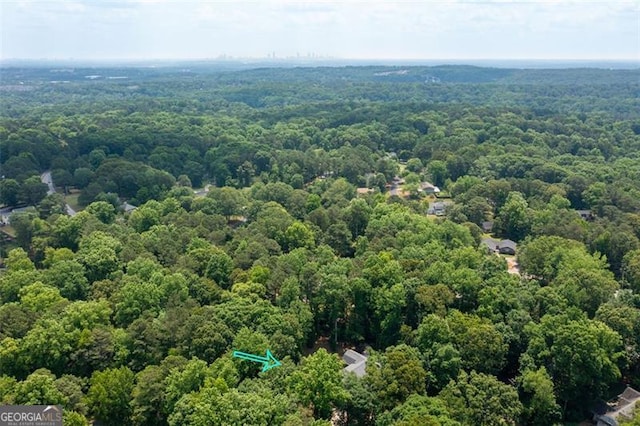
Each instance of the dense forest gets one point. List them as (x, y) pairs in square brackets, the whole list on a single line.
[(202, 210)]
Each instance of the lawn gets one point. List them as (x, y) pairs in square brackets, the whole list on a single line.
[(72, 200)]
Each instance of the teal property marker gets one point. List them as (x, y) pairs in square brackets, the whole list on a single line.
[(268, 361)]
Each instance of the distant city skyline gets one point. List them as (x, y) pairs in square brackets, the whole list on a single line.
[(347, 29)]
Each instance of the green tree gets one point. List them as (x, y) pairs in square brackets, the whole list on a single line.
[(109, 396), (631, 269), (32, 191), (68, 276), (218, 405), (318, 382), (50, 205), (99, 254), (437, 169), (582, 356), (103, 211), (514, 218), (134, 299), (148, 397), (9, 190), (182, 380), (23, 224), (538, 397), (418, 410), (298, 235), (229, 201), (39, 297), (400, 374), (480, 399), (39, 388), (359, 408)]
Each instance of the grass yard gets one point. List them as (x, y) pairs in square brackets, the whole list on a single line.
[(72, 200)]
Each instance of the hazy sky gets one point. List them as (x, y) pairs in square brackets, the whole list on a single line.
[(144, 29)]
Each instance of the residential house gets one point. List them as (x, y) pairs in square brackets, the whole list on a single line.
[(487, 226), (507, 247), (490, 243), (585, 214), (439, 208), (429, 188), (397, 180), (356, 362), (5, 216), (364, 191), (608, 414), (503, 247), (128, 208)]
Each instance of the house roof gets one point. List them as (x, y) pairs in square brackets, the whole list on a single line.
[(359, 369), (607, 413), (629, 394), (357, 362), (490, 242), (438, 205), (353, 357), (507, 244), (364, 190), (428, 186), (128, 207)]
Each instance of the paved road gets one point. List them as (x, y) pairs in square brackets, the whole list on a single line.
[(202, 192), (46, 178)]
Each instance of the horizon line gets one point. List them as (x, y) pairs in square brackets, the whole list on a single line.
[(230, 58)]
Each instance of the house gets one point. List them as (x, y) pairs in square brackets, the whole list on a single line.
[(397, 180), (608, 414), (5, 215), (490, 243), (128, 208), (585, 214), (356, 362), (364, 191), (439, 208), (429, 188), (502, 247), (507, 247), (487, 226)]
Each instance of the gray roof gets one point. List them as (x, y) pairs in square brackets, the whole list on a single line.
[(490, 242), (507, 244), (630, 394), (357, 363), (359, 369), (494, 244), (128, 207)]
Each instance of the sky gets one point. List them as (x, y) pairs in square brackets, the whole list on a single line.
[(345, 29)]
